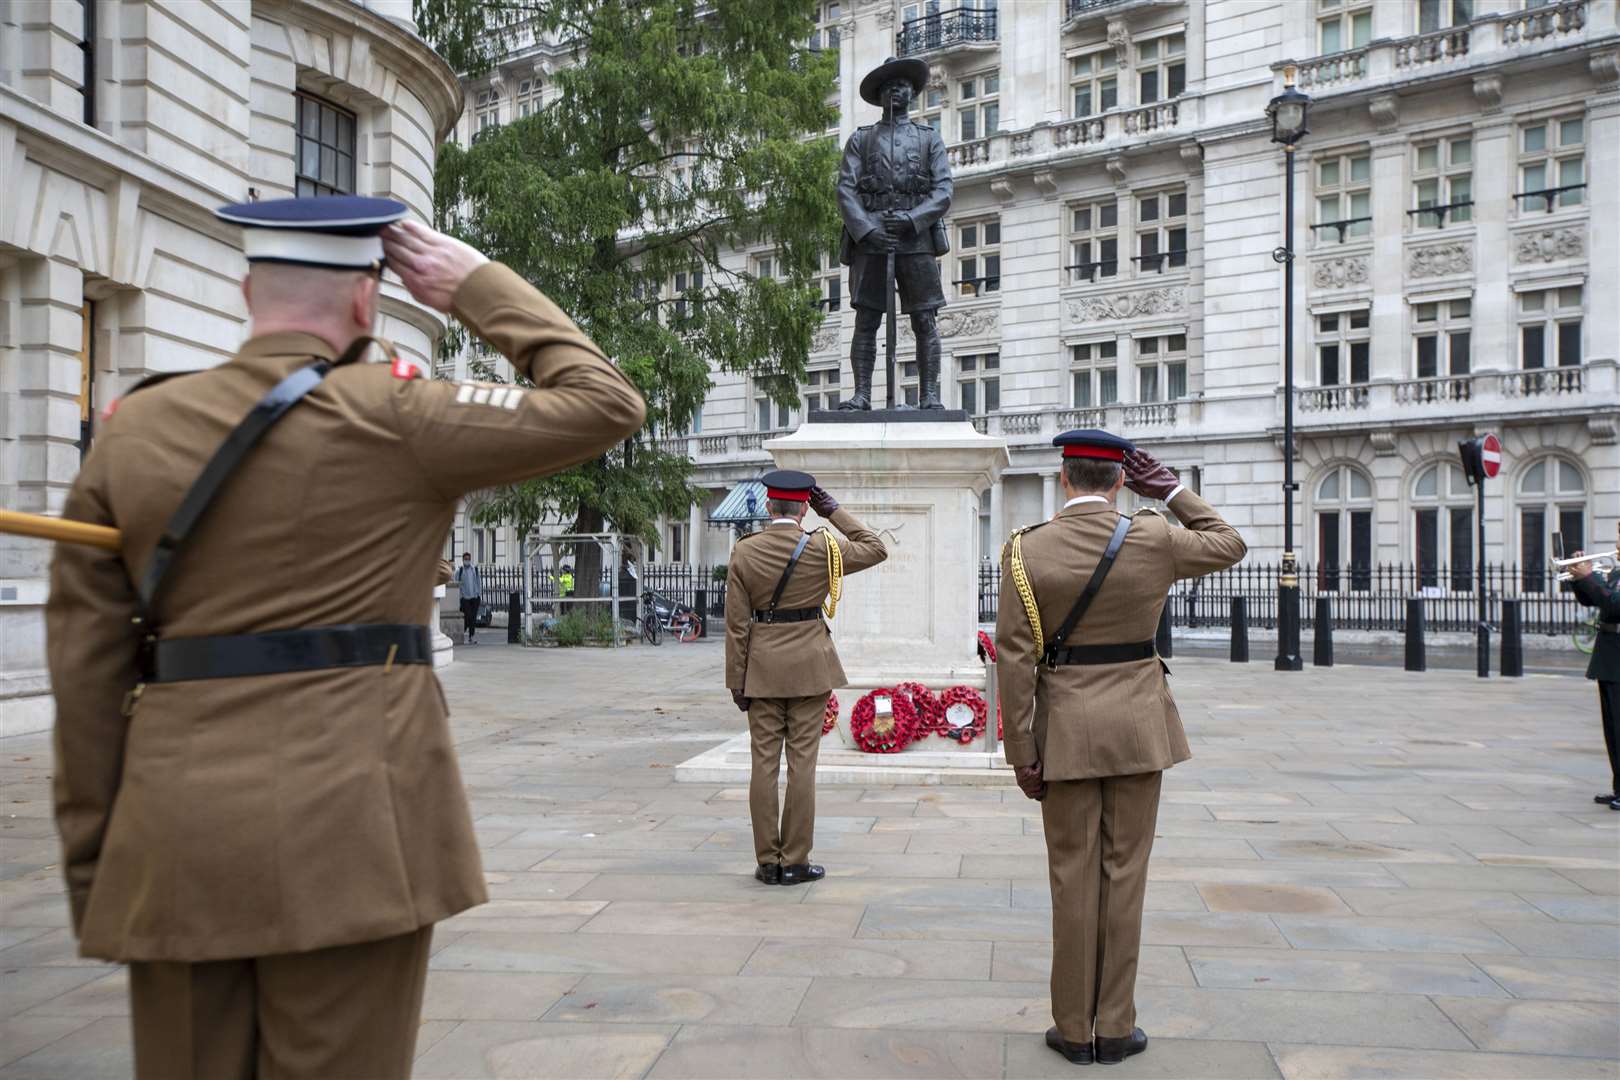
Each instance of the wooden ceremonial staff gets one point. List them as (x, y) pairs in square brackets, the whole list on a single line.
[(58, 529)]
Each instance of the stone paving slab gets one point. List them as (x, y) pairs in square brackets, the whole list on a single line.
[(1360, 873)]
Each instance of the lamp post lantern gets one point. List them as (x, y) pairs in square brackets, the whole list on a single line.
[(1288, 112)]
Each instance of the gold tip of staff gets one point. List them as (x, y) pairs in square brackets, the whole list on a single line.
[(60, 530)]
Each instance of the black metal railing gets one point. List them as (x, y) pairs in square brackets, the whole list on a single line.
[(1548, 196), (979, 285), (1343, 226), (1439, 212), (1082, 7), (941, 28), (1090, 271), (1364, 597)]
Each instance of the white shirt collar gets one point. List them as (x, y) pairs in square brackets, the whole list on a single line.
[(1078, 499), (785, 521)]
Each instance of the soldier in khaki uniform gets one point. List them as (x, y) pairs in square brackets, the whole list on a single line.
[(1090, 723), (780, 660), (258, 796)]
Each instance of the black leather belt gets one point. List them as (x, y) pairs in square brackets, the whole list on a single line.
[(1104, 654), (1609, 627), (282, 651), (803, 614)]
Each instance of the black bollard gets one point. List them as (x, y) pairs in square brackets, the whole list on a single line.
[(700, 600), (1161, 640), (1415, 658), (1512, 640), (1322, 643), (1240, 630), (514, 618)]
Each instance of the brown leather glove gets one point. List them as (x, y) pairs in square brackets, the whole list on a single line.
[(740, 701), (1147, 476), (1030, 782), (823, 503)]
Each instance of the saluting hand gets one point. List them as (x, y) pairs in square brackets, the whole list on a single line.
[(431, 264), (1147, 476), (822, 503)]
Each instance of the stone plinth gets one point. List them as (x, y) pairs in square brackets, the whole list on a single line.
[(918, 484)]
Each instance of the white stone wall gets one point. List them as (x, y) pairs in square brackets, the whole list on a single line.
[(193, 109)]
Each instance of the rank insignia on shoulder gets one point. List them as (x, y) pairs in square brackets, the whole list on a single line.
[(404, 369)]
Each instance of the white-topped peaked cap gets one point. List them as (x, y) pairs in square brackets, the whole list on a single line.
[(340, 232)]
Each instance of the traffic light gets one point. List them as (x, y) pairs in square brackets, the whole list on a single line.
[(1473, 462)]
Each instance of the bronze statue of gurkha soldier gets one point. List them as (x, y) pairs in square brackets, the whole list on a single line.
[(893, 190)]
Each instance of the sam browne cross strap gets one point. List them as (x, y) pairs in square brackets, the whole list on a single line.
[(1057, 652), (770, 614)]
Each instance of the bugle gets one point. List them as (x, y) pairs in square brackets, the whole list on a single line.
[(1558, 565), (60, 530)]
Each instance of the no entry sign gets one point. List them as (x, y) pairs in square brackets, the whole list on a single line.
[(1490, 455)]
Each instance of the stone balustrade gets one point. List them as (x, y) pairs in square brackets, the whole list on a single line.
[(1486, 40)]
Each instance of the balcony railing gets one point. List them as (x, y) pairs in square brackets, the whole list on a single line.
[(1434, 390), (1483, 41), (939, 30), (1085, 7), (964, 154), (1542, 382), (1319, 399)]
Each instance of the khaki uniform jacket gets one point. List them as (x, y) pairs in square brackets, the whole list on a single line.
[(788, 659), (1084, 721), (240, 817)]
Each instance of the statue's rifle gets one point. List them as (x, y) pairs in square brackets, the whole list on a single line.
[(889, 332)]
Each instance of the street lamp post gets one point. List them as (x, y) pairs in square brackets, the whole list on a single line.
[(1287, 113)]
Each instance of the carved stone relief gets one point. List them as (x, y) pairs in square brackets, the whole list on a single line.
[(826, 338), (972, 322), (1438, 260), (1385, 110), (1340, 273), (1119, 36), (1131, 305), (1548, 245), (1488, 91)]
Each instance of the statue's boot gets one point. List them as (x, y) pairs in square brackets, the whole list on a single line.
[(862, 358), (928, 371)]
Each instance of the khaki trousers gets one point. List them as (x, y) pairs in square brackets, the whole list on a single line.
[(1099, 834), (797, 722), (350, 1011)]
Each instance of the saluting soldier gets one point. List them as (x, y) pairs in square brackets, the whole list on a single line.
[(256, 787), (781, 663), (1591, 590), (1090, 724)]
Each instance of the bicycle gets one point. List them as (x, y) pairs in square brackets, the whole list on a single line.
[(679, 620), (1586, 632), (652, 631)]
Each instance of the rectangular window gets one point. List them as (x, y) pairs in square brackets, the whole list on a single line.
[(1550, 327), (1343, 197), (326, 143), (1360, 550), (1462, 548), (1442, 338), (821, 389), (978, 261), (826, 32), (978, 113), (1343, 348), (1093, 241), (978, 383), (1161, 231), (1533, 548), (1161, 68), (487, 115), (1552, 163), (1343, 24), (1161, 368), (1094, 372), (686, 287), (908, 382), (1094, 83), (1439, 14), (528, 97), (1327, 550), (933, 105), (1442, 182), (771, 416)]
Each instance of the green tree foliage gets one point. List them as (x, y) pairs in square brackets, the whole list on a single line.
[(677, 131)]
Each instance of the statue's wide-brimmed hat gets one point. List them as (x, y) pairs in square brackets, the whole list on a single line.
[(911, 69)]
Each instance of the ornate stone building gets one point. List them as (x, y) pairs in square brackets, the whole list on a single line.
[(1118, 201), (122, 126)]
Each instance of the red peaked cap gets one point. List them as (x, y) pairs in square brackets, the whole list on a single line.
[(788, 485), (1093, 443)]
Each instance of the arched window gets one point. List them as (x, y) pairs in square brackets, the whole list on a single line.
[(1344, 514), (1443, 526), (1552, 499)]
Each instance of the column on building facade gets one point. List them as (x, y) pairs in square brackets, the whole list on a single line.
[(694, 529), (1048, 495), (1603, 284), (1389, 348), (997, 531), (1492, 347)]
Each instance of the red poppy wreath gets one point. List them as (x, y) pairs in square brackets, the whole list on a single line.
[(883, 732), (830, 719), (964, 713), (930, 713)]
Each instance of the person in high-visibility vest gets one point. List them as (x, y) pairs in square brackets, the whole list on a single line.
[(565, 581)]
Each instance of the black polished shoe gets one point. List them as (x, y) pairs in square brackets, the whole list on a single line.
[(1108, 1051), (1077, 1053), (803, 872), (768, 873), (1606, 799), (1614, 804)]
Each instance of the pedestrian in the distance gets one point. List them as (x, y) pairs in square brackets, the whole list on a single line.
[(472, 591)]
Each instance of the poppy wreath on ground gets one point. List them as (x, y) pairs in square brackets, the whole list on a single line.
[(888, 733), (930, 713), (956, 699), (830, 719)]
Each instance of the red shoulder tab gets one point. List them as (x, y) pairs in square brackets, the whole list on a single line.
[(404, 369)]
